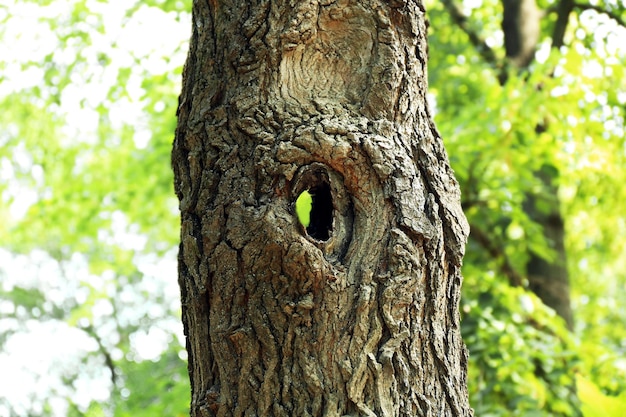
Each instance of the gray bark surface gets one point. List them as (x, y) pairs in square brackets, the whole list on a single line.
[(284, 96)]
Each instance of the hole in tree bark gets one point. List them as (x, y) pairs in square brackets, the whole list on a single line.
[(323, 209), (321, 216)]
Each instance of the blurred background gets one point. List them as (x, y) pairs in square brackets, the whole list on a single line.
[(529, 96)]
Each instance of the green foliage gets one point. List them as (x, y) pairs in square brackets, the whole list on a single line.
[(523, 362), (522, 356), (88, 209), (155, 388), (598, 404)]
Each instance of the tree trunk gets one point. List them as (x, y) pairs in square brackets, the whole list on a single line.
[(548, 279), (356, 314)]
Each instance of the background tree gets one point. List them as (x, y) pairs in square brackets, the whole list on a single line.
[(529, 127), (356, 314), (89, 239)]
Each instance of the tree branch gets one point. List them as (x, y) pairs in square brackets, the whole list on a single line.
[(563, 11), (612, 15), (108, 359), (461, 21)]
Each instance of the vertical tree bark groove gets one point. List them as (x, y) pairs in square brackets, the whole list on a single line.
[(284, 96)]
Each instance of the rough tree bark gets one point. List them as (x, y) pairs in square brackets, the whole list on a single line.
[(357, 314)]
